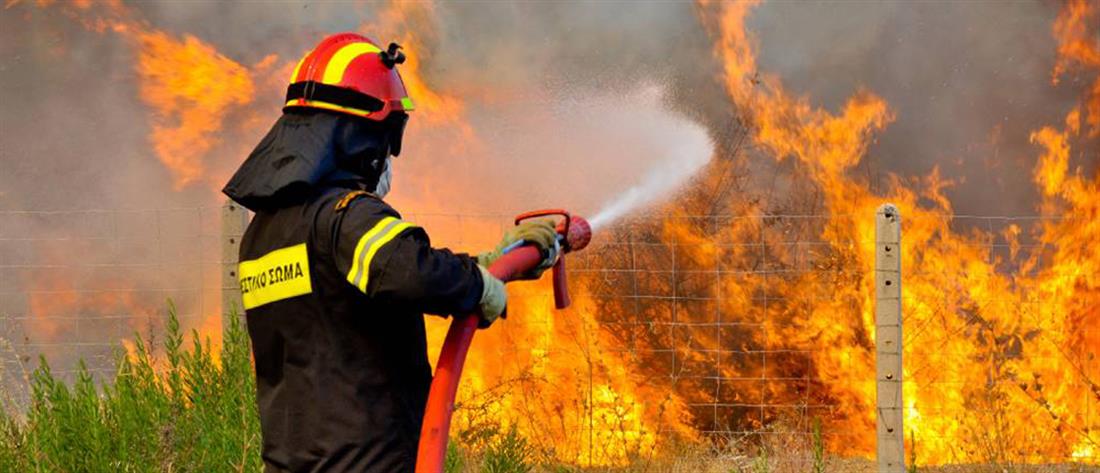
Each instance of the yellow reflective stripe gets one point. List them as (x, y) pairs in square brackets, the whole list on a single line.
[(334, 71), (278, 275), (369, 244), (327, 106), (397, 229), (353, 273), (407, 103), (294, 76)]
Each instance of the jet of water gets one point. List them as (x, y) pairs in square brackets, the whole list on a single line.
[(689, 149)]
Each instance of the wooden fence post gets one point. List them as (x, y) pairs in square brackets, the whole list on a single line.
[(889, 409), (234, 221)]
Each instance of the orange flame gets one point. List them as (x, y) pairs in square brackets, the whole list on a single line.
[(985, 344), (188, 85), (190, 88), (1078, 48)]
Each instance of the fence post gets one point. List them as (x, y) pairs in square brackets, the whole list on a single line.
[(889, 408), (234, 221)]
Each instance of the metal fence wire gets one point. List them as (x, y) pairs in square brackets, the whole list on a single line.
[(75, 283), (762, 325)]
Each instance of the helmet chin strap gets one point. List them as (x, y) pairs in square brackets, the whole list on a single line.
[(384, 179)]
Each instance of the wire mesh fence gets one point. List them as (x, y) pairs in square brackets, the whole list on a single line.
[(75, 283), (707, 300), (760, 326), (765, 327)]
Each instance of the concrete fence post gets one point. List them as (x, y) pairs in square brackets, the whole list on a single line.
[(234, 221), (889, 409)]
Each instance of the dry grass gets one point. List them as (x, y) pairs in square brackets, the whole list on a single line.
[(696, 458)]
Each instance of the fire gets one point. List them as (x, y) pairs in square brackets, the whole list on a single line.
[(1008, 351), (564, 383), (77, 293), (64, 300), (191, 91), (190, 88)]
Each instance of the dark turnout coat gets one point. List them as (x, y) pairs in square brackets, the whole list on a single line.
[(334, 286)]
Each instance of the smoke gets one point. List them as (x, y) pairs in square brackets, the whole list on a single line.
[(539, 55), (966, 82)]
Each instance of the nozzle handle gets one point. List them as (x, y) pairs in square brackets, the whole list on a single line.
[(543, 213), (563, 226), (574, 229)]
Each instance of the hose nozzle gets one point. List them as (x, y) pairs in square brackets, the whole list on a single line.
[(576, 232)]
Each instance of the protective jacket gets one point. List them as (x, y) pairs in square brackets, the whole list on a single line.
[(334, 284), (334, 300)]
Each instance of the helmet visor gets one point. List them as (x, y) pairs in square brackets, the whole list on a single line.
[(395, 123)]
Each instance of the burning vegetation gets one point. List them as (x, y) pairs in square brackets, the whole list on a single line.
[(1013, 351), (725, 313)]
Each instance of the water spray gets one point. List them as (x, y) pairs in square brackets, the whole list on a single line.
[(574, 233), (693, 153)]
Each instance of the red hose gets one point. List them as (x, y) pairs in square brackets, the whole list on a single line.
[(441, 399)]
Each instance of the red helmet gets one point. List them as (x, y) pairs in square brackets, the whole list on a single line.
[(349, 73)]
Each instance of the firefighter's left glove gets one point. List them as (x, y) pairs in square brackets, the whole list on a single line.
[(540, 233), (494, 299)]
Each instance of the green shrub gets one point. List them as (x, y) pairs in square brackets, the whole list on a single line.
[(508, 453), (818, 447), (194, 412), (455, 461)]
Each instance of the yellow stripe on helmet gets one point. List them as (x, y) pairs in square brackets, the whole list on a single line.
[(334, 71), (294, 76)]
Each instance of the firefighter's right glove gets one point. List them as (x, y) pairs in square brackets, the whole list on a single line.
[(494, 299), (537, 232)]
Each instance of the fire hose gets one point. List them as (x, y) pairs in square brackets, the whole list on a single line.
[(573, 234)]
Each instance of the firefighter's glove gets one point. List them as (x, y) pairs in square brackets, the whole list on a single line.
[(534, 232), (494, 299)]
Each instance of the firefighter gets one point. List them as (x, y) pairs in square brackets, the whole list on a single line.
[(334, 283)]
